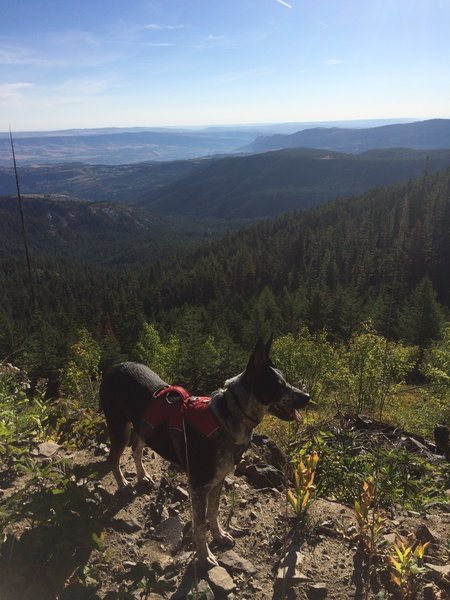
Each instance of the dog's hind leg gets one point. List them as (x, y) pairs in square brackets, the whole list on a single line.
[(219, 534), (120, 437), (137, 448), (205, 557)]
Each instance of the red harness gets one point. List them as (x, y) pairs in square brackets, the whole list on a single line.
[(173, 404)]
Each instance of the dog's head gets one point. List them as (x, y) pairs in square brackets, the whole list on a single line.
[(269, 386)]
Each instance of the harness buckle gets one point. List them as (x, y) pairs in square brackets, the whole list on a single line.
[(173, 397)]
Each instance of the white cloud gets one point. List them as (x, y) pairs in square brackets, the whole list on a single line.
[(17, 55), (82, 87), (331, 62), (160, 26), (13, 91)]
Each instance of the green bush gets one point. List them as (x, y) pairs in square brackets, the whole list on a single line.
[(22, 418)]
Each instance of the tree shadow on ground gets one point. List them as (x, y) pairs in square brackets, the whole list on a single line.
[(60, 527)]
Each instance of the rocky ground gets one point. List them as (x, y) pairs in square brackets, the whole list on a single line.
[(71, 537)]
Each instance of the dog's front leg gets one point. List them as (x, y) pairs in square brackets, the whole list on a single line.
[(205, 557), (219, 534)]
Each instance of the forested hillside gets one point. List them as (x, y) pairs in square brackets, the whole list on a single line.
[(378, 256), (124, 183), (383, 255), (100, 233), (238, 187), (265, 185)]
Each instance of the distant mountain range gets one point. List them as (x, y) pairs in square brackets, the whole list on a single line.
[(114, 145), (421, 135), (115, 148)]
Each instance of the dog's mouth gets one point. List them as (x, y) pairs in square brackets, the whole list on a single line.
[(284, 413)]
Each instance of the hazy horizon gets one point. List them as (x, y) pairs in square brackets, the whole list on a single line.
[(365, 123)]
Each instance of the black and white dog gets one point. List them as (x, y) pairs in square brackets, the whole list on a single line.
[(133, 395)]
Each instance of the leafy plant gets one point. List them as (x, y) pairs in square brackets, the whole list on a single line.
[(376, 369), (77, 425), (309, 360), (22, 418), (80, 378), (405, 562), (370, 522), (304, 488)]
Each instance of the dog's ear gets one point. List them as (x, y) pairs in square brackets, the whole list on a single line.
[(258, 357), (269, 347)]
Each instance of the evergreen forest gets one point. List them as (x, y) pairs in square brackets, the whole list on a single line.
[(381, 257)]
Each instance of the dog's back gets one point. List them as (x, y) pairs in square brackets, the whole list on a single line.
[(126, 390)]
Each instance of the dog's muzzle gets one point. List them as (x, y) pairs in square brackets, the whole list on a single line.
[(287, 408)]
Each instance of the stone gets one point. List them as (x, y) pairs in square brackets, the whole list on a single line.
[(317, 590), (440, 506), (48, 449), (440, 570), (125, 525), (263, 477), (171, 532), (234, 562), (425, 534), (290, 569), (220, 580)]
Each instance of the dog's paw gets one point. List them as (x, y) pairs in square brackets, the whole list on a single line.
[(223, 538), (208, 562), (146, 480)]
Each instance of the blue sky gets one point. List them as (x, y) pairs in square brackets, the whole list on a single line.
[(97, 63)]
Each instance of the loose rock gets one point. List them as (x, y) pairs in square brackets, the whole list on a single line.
[(317, 590), (220, 580), (170, 531), (234, 562), (125, 525), (48, 449)]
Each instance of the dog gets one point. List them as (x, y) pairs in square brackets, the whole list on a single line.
[(129, 392)]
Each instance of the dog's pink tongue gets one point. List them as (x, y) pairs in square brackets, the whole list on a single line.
[(297, 416)]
